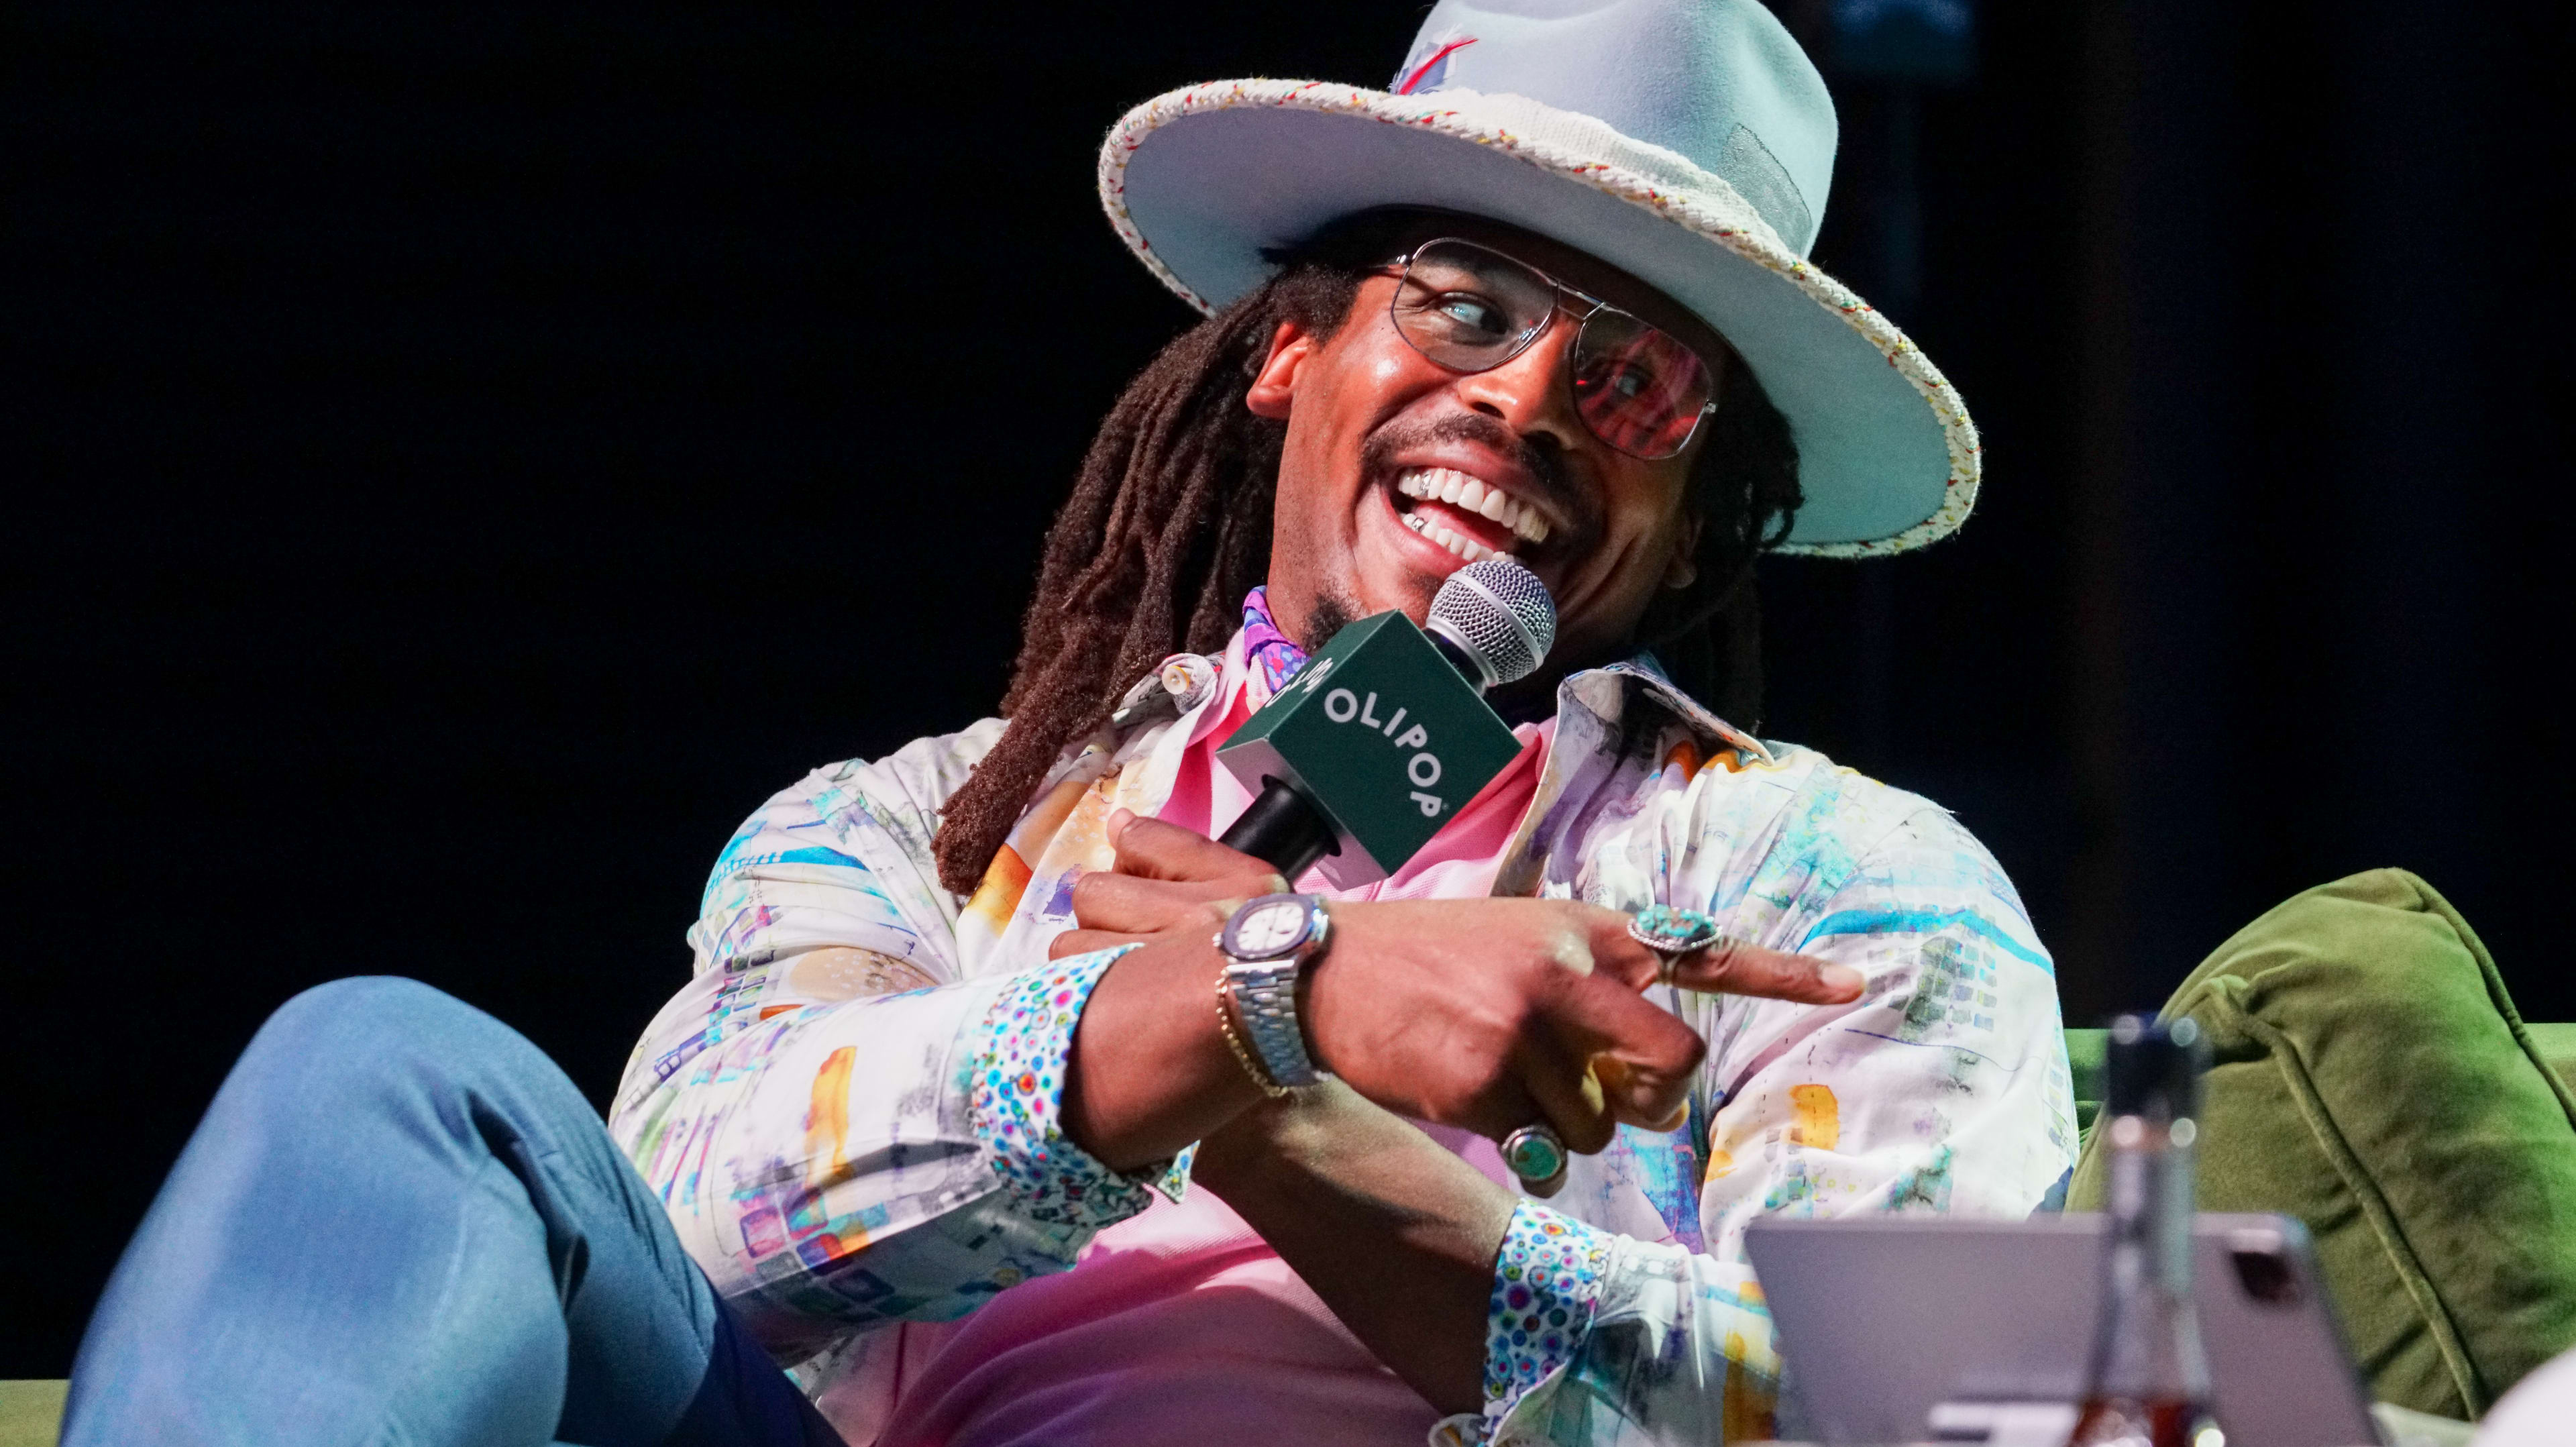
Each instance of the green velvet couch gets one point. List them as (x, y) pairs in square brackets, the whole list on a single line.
[(2371, 1077), (2556, 1044)]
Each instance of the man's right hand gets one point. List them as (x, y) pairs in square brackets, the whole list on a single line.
[(1486, 1013), (1495, 1013)]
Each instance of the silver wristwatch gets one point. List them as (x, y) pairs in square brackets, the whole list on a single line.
[(1267, 943)]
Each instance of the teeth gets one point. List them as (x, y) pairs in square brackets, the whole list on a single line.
[(1467, 548), (1468, 494)]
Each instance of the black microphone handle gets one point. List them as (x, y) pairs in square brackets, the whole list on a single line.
[(1282, 829), (1458, 659)]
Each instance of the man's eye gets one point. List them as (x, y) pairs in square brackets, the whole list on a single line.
[(1472, 313), (1628, 382)]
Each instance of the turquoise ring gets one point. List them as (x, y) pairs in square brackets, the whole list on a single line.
[(1671, 933), (1537, 1155)]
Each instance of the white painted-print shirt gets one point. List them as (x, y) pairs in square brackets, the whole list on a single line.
[(849, 1111)]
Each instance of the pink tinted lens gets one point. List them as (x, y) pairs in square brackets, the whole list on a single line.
[(1637, 389)]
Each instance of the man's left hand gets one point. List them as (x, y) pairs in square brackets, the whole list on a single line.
[(1166, 875)]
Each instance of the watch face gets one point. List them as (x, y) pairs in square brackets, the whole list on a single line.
[(1269, 928)]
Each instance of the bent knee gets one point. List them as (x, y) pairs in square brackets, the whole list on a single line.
[(374, 1021), (364, 1004)]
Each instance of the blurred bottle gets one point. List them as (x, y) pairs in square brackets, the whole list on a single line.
[(2149, 1382)]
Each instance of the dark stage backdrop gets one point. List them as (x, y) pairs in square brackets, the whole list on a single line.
[(464, 458)]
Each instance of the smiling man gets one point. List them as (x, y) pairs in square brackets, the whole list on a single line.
[(1007, 1107), (1496, 410), (1542, 299)]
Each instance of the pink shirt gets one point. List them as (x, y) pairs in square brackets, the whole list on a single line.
[(1180, 1325)]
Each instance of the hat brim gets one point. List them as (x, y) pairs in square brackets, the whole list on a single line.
[(1199, 182)]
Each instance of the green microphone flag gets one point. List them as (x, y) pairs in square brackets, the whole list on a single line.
[(1384, 736)]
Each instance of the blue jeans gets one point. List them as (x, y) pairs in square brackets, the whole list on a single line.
[(399, 1222)]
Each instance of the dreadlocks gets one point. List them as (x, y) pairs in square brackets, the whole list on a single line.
[(1169, 527), (1745, 484)]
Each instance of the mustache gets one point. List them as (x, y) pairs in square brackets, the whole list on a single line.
[(1544, 464)]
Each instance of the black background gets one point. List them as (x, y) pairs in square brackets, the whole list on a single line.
[(467, 457)]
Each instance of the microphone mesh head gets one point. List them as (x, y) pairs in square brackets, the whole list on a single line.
[(1500, 613)]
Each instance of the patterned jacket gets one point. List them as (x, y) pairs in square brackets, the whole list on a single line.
[(850, 1110)]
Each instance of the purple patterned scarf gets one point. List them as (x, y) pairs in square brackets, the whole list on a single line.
[(1264, 646)]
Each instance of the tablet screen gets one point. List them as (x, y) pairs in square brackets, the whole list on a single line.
[(1883, 1319)]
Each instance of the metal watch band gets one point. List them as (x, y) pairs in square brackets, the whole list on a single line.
[(1265, 1000), (1263, 989)]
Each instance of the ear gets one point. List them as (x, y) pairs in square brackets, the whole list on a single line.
[(1275, 386), (1684, 568)]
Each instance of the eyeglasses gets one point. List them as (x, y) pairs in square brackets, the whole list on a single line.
[(1471, 309)]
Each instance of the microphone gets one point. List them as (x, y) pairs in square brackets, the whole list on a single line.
[(1493, 621), (1374, 744)]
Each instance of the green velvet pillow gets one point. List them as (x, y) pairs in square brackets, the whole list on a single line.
[(2371, 1078)]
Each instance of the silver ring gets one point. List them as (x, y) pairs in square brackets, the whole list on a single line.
[(1536, 1154)]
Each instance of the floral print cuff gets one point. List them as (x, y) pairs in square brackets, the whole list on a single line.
[(1546, 1279), (1019, 1097)]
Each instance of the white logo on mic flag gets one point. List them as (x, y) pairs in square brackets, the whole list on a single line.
[(1343, 706)]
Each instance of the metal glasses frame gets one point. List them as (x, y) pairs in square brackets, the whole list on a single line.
[(1593, 306)]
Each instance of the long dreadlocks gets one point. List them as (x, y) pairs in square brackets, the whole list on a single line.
[(1169, 527)]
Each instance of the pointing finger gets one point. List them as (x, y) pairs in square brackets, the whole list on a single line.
[(1732, 967)]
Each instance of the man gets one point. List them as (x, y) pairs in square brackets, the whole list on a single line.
[(968, 1113)]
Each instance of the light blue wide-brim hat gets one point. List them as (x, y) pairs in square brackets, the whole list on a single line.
[(1687, 142)]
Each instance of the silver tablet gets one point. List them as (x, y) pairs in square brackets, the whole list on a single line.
[(1915, 1328)]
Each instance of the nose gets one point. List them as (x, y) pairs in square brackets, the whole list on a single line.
[(1533, 393)]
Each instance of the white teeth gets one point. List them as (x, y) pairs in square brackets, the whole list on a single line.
[(1473, 495), (1467, 548)]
